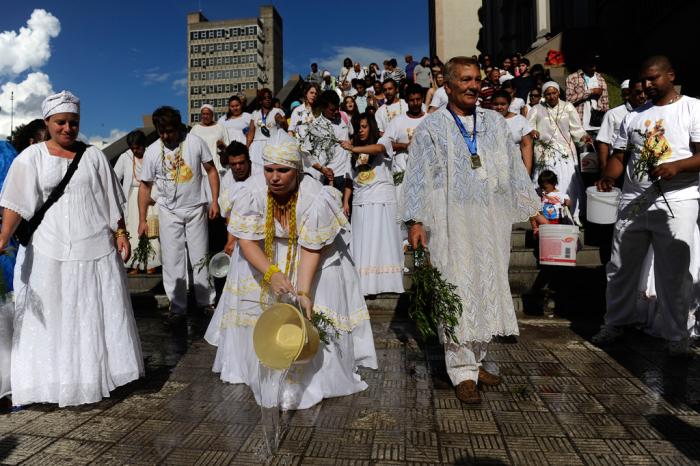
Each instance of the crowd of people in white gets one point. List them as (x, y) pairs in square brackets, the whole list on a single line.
[(322, 204)]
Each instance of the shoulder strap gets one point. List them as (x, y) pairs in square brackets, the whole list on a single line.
[(58, 191)]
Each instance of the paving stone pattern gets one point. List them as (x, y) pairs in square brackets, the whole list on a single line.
[(562, 402)]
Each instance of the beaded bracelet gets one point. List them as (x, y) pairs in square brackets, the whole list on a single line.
[(304, 293), (121, 232), (273, 269)]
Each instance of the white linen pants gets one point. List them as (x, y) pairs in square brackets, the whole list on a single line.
[(464, 360), (672, 241), (183, 234)]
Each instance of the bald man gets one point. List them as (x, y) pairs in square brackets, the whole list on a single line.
[(658, 207)]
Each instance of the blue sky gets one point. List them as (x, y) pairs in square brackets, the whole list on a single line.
[(125, 58)]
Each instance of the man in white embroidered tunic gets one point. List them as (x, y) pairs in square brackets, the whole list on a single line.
[(466, 185)]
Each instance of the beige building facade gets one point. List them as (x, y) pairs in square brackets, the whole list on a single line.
[(230, 57)]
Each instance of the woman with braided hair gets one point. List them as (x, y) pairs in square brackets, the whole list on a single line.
[(293, 238)]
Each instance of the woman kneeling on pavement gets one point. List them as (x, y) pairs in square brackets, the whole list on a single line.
[(292, 238), (75, 338)]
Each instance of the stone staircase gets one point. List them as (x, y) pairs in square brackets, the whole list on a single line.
[(535, 290)]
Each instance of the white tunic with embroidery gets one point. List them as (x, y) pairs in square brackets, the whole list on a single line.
[(469, 212), (321, 225)]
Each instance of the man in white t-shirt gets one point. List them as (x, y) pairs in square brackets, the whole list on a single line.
[(176, 163), (663, 136), (400, 130), (322, 143), (238, 168), (439, 100), (610, 128), (393, 105)]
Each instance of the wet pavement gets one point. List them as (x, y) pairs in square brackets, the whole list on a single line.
[(562, 401)]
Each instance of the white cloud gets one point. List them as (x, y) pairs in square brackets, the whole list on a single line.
[(28, 96), (30, 48), (103, 141), (179, 86), (364, 55)]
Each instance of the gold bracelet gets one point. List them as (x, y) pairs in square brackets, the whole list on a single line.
[(273, 269), (121, 232), (304, 293)]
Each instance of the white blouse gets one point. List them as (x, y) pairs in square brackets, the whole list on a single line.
[(79, 225)]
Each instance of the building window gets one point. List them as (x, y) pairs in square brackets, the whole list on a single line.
[(219, 75), (251, 30), (211, 76), (195, 117), (219, 33), (227, 74), (219, 60), (227, 60), (219, 47), (194, 49), (236, 73), (235, 60), (210, 34), (194, 35), (227, 88), (211, 47), (227, 46)]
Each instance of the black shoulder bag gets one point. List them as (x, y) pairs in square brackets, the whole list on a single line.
[(26, 228)]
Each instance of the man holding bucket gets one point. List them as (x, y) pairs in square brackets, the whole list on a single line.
[(658, 206), (466, 184)]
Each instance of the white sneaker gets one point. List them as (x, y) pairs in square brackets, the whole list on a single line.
[(679, 348), (606, 336)]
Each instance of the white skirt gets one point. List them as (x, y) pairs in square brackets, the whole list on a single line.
[(6, 314), (377, 248), (333, 371), (75, 337), (132, 226)]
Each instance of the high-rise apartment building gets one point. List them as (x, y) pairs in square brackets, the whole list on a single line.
[(231, 56)]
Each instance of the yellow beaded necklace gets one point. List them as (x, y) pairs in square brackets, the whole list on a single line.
[(273, 207)]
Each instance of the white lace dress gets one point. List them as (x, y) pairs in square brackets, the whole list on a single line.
[(75, 337), (555, 150), (468, 214), (322, 225)]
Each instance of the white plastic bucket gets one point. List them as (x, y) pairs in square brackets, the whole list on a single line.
[(558, 244), (602, 206)]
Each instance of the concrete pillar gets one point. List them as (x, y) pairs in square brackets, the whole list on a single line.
[(456, 27), (542, 21)]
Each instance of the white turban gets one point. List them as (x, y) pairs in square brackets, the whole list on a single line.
[(63, 102), (549, 84), (210, 107), (625, 84), (282, 149)]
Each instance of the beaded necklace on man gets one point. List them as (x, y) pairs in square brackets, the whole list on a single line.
[(277, 210)]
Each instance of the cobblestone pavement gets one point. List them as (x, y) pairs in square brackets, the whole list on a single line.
[(562, 401)]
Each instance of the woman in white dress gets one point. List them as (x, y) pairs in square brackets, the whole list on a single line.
[(520, 128), (376, 240), (236, 121), (303, 115), (292, 238), (128, 171), (264, 124), (213, 134), (557, 130), (75, 338)]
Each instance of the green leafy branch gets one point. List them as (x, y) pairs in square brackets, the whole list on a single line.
[(325, 326), (434, 303), (143, 253)]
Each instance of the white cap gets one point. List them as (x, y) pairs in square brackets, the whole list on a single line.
[(549, 84), (326, 73), (63, 102), (625, 84), (207, 106)]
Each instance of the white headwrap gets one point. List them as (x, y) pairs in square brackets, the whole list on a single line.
[(210, 107), (549, 84), (282, 149), (625, 84), (63, 102)]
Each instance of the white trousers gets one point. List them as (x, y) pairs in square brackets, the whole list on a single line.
[(671, 239), (464, 360), (184, 233)]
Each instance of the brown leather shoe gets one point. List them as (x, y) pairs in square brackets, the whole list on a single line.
[(488, 378), (467, 392)]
